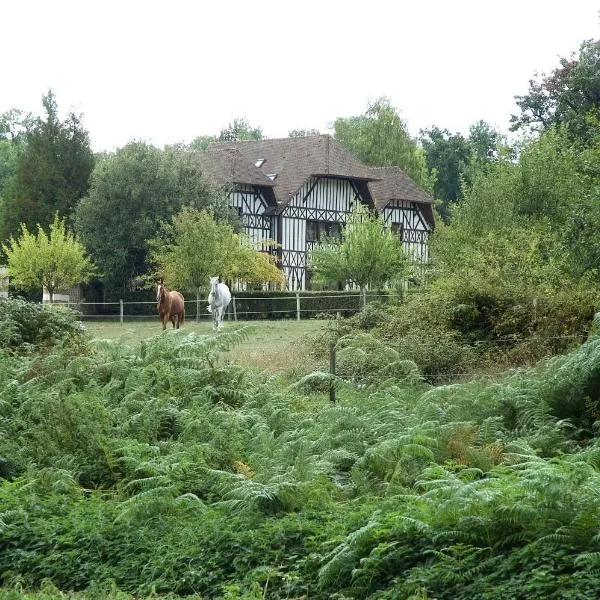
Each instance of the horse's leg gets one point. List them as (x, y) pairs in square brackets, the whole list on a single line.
[(176, 322)]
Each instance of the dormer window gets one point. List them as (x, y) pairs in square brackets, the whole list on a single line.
[(271, 176), (259, 163)]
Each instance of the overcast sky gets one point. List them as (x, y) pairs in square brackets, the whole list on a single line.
[(169, 71)]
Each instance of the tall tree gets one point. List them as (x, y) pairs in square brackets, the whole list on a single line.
[(132, 191), (240, 130), (565, 96), (52, 172), (447, 154), (54, 260), (366, 254), (223, 253), (380, 137)]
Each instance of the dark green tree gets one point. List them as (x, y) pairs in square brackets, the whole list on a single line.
[(447, 154), (52, 171), (132, 191)]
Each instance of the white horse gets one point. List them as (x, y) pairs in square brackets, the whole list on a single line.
[(218, 301)]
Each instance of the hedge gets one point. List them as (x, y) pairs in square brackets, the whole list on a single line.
[(248, 305)]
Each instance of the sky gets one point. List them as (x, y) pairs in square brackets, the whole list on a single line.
[(168, 71)]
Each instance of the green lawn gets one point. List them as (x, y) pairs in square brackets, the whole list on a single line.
[(272, 346)]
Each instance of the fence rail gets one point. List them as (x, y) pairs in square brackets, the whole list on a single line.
[(296, 306)]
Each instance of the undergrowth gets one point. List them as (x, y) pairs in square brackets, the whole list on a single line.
[(168, 470)]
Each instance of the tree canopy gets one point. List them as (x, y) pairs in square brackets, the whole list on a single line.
[(380, 137), (454, 159), (239, 131), (52, 170), (54, 260), (193, 246), (566, 96), (366, 254), (132, 191)]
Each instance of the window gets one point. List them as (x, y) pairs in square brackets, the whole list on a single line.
[(317, 230), (397, 229)]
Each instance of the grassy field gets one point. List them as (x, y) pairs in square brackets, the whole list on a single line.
[(272, 346)]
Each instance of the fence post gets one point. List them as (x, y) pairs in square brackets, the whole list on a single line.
[(121, 310), (297, 306), (332, 372), (234, 310)]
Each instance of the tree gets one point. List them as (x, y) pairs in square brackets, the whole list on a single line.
[(52, 171), (380, 137), (566, 96), (132, 191), (296, 133), (447, 154), (176, 256), (14, 124), (368, 254), (201, 142), (56, 261), (240, 130)]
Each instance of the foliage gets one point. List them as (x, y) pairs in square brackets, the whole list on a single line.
[(240, 130), (54, 260), (367, 254), (163, 469), (456, 160), (380, 137), (52, 170), (132, 191), (565, 96), (25, 326), (295, 133), (13, 126), (447, 154), (224, 253)]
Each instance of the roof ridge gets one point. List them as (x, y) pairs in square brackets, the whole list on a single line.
[(278, 139)]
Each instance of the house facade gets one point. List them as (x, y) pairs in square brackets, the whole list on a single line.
[(295, 190)]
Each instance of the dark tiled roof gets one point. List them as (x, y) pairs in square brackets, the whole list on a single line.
[(392, 183), (228, 165), (294, 160)]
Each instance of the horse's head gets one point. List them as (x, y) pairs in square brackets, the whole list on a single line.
[(214, 281), (160, 290)]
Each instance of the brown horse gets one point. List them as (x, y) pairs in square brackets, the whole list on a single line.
[(171, 306)]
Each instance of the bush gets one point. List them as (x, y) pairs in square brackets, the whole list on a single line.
[(24, 325)]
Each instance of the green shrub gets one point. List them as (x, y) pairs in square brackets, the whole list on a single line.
[(24, 325)]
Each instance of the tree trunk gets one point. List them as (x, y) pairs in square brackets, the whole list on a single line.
[(198, 304)]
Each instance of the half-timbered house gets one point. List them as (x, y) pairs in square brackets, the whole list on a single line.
[(295, 190)]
